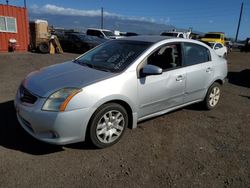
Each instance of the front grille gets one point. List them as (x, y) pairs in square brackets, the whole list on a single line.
[(26, 96)]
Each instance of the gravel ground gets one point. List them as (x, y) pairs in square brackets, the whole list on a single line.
[(186, 148)]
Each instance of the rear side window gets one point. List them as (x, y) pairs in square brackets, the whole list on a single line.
[(195, 54)]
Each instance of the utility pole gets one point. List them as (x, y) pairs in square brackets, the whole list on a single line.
[(24, 2), (102, 18), (7, 2), (241, 10)]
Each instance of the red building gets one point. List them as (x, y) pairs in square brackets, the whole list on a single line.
[(14, 25)]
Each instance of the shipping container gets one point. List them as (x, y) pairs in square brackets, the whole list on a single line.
[(14, 26)]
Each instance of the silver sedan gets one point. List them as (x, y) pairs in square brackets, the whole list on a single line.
[(115, 85)]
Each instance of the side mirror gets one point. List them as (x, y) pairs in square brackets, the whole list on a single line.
[(151, 70)]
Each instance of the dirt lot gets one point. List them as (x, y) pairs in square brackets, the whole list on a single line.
[(186, 148)]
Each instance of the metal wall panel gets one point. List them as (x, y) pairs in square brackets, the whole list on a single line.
[(22, 35)]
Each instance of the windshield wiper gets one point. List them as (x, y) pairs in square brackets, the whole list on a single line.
[(92, 66), (102, 69), (83, 63)]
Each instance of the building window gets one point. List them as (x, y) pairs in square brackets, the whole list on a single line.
[(8, 24)]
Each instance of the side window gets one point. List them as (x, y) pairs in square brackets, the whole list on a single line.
[(217, 46), (166, 57), (195, 54), (181, 36), (8, 24), (100, 34)]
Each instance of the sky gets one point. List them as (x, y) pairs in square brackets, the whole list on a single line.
[(203, 16)]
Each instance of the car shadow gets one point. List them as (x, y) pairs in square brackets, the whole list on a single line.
[(244, 96), (240, 78), (12, 135)]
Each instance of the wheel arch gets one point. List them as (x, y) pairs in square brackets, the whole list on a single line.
[(121, 102), (219, 81)]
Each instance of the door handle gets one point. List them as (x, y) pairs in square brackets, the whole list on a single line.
[(180, 78), (209, 69)]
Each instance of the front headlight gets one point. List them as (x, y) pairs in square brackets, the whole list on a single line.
[(58, 101)]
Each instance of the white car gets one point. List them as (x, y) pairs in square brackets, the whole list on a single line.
[(219, 48), (185, 35), (102, 33), (115, 85)]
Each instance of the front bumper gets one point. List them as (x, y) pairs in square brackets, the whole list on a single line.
[(53, 127)]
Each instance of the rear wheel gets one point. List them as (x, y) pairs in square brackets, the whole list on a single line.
[(213, 96), (107, 125)]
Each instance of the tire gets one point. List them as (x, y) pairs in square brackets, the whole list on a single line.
[(107, 125), (213, 95), (43, 48)]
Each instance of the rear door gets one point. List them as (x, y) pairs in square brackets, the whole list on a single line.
[(199, 71)]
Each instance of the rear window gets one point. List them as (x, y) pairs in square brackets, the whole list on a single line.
[(212, 36), (170, 34), (108, 33)]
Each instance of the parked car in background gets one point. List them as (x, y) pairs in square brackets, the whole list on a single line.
[(229, 45), (128, 34), (174, 33), (246, 46), (102, 33), (79, 42), (219, 49), (218, 37), (115, 85)]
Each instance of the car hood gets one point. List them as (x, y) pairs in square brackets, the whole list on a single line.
[(69, 74)]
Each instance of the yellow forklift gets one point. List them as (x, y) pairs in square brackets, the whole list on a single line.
[(41, 39)]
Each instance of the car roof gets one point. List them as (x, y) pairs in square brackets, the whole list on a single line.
[(96, 29), (159, 38), (146, 38)]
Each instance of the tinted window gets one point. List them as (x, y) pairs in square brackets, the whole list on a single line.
[(213, 36), (169, 34), (94, 33), (166, 57), (195, 54), (181, 36), (108, 33), (217, 46), (113, 56)]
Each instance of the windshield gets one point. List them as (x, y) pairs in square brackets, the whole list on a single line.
[(212, 36), (108, 33), (170, 34), (113, 56)]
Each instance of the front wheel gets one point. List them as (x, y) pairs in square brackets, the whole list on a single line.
[(43, 48), (107, 125), (213, 96)]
